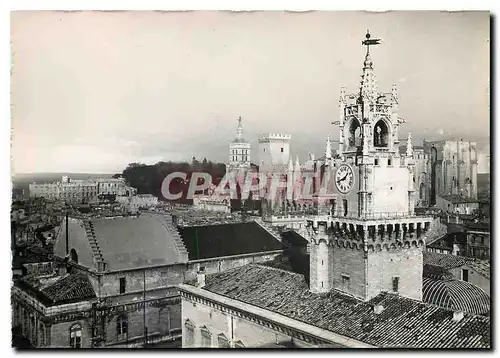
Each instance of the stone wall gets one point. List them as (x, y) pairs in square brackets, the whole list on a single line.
[(233, 328), (385, 264)]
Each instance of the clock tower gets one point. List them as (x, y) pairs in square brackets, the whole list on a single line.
[(370, 240)]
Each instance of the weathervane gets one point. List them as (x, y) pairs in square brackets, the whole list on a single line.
[(370, 41)]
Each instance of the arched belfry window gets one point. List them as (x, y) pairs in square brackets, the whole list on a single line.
[(354, 139), (73, 255), (381, 134)]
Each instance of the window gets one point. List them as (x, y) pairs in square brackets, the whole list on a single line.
[(344, 201), (122, 327), (465, 275), (281, 149), (206, 337), (189, 327), (223, 341), (122, 284), (346, 283), (376, 161), (42, 335), (239, 344), (75, 336), (389, 161), (395, 284)]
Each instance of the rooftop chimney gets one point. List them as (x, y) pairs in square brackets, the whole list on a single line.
[(458, 316), (378, 309), (200, 278)]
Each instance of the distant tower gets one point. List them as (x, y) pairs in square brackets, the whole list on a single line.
[(371, 241), (239, 152), (274, 152)]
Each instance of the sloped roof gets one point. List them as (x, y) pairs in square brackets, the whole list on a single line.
[(58, 290), (480, 266), (203, 242), (437, 272), (444, 260), (404, 323), (447, 261), (123, 242), (447, 241), (135, 242), (455, 295)]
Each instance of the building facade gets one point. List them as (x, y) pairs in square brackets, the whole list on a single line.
[(129, 269), (452, 169), (80, 191), (365, 254), (274, 152)]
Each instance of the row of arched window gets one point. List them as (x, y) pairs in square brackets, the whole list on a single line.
[(206, 337), (380, 134)]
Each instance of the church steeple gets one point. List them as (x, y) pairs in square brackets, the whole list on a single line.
[(328, 149), (409, 147), (239, 129), (369, 85)]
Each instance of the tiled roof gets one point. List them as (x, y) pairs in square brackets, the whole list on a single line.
[(437, 272), (404, 323), (447, 261), (57, 290), (294, 239), (455, 295), (123, 242), (444, 260), (480, 266), (447, 241), (134, 242), (482, 226), (70, 288), (203, 242)]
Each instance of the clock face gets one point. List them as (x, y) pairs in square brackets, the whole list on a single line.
[(344, 179)]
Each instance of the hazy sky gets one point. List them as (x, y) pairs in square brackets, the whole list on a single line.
[(94, 91)]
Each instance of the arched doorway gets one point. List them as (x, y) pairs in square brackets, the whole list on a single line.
[(73, 255), (381, 134)]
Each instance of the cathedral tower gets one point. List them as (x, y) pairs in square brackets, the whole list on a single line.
[(371, 240), (239, 152)]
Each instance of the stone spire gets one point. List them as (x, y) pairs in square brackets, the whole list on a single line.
[(328, 149), (290, 165), (395, 96), (342, 95), (297, 164), (409, 146), (369, 86), (239, 130)]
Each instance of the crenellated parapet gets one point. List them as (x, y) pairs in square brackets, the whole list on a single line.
[(274, 136), (396, 234)]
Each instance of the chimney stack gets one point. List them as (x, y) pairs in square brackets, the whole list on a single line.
[(378, 309), (458, 316), (200, 278)]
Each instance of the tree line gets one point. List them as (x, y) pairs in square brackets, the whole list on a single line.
[(148, 179)]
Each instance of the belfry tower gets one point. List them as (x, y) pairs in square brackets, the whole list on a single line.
[(239, 152), (371, 240)]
